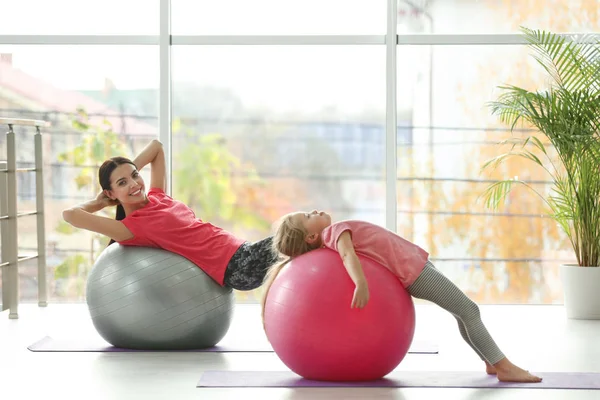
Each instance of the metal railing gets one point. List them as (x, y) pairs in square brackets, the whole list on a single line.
[(9, 214)]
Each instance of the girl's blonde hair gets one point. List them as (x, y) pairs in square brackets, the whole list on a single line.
[(289, 241)]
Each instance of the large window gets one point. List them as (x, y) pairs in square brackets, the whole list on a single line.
[(101, 101), (279, 105)]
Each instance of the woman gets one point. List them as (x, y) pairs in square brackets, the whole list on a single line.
[(155, 219)]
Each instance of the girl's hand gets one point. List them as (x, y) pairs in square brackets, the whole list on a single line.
[(361, 295), (106, 201)]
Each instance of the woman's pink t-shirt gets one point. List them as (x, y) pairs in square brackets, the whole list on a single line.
[(405, 259), (171, 225)]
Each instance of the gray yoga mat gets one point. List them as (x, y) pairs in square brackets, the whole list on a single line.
[(420, 379), (97, 344)]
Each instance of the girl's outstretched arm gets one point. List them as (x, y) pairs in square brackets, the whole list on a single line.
[(352, 263), (154, 155)]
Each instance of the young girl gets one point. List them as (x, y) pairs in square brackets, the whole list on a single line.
[(156, 220), (302, 232)]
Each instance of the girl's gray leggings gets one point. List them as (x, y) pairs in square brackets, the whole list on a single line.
[(432, 285)]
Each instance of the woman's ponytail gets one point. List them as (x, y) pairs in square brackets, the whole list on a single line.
[(120, 215)]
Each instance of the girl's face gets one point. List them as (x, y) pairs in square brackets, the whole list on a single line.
[(127, 185), (313, 222)]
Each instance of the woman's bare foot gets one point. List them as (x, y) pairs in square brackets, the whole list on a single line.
[(508, 372), (489, 368)]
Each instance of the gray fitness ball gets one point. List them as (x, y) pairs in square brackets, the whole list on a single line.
[(151, 299)]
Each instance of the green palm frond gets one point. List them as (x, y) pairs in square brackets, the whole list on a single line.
[(496, 193), (570, 62)]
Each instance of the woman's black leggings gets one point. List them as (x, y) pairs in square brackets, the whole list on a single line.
[(249, 265)]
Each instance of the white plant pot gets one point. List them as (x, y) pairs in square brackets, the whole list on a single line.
[(581, 286)]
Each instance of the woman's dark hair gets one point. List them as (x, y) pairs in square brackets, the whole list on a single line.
[(104, 173)]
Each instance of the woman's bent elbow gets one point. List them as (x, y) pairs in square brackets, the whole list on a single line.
[(68, 216)]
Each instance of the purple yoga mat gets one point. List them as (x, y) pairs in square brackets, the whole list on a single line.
[(97, 344), (420, 379)]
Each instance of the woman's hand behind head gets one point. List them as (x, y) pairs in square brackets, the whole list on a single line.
[(106, 201)]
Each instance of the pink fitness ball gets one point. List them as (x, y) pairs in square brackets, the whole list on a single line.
[(315, 332)]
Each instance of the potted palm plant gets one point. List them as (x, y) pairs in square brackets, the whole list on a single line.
[(567, 115)]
